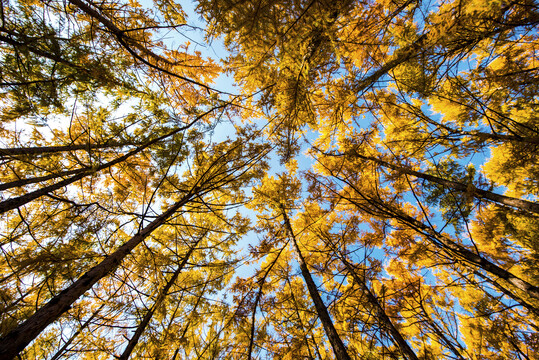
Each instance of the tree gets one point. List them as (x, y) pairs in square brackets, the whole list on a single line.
[(211, 177), (410, 230), (278, 195), (398, 109)]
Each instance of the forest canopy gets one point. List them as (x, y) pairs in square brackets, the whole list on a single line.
[(367, 189)]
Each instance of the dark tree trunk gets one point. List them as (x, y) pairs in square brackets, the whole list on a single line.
[(28, 181), (160, 297), (376, 206), (40, 150), (382, 316), (462, 253), (459, 252), (20, 337), (467, 188), (16, 202), (336, 343)]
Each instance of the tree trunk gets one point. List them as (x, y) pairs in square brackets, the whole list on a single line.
[(458, 251), (467, 188), (373, 301), (40, 150), (14, 203), (413, 50), (303, 328), (28, 181), (470, 257), (19, 201), (160, 297), (510, 294), (21, 336), (159, 63), (504, 137), (257, 301), (336, 343), (440, 333)]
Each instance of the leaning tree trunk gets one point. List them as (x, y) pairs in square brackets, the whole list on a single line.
[(373, 301), (511, 294), (41, 150), (423, 44), (470, 257), (257, 301), (303, 328), (436, 328), (20, 337), (16, 202), (466, 188), (38, 179), (160, 297), (534, 140), (336, 343), (460, 252)]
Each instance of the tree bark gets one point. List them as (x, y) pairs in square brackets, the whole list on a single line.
[(20, 337), (160, 297), (510, 294), (34, 180), (412, 50), (19, 201), (448, 343), (472, 258), (257, 301), (16, 202), (504, 137), (336, 343), (41, 150), (162, 64), (305, 331), (467, 188), (459, 252), (373, 301)]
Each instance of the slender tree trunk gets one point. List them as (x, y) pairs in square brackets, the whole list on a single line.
[(26, 44), (20, 337), (470, 257), (257, 301), (336, 343), (458, 251), (19, 201), (23, 182), (510, 294), (193, 311), (441, 241), (305, 331), (440, 333), (444, 339), (159, 63), (480, 136), (401, 56), (504, 137), (413, 50), (462, 253), (467, 188), (16, 202), (373, 301), (160, 297), (61, 351), (41, 150)]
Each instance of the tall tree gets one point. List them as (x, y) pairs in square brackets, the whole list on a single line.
[(411, 231)]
